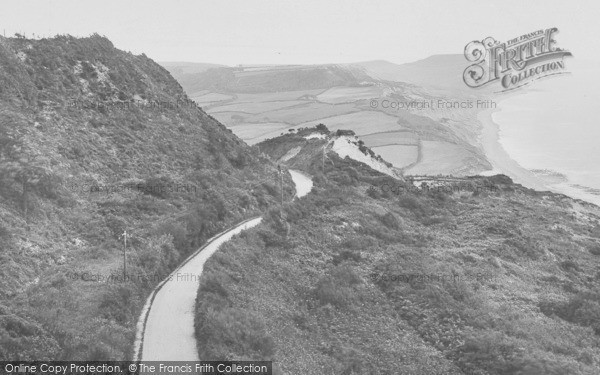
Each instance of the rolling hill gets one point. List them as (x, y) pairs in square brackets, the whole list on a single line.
[(437, 71)]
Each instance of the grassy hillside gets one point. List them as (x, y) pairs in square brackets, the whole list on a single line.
[(94, 142), (371, 275)]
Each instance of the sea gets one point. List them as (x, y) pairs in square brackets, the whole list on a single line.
[(552, 128)]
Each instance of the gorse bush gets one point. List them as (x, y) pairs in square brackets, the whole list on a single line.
[(21, 340), (346, 255), (595, 249), (118, 303), (338, 288), (241, 331), (179, 234), (581, 308), (390, 220)]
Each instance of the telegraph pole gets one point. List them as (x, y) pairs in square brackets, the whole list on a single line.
[(281, 184), (124, 235)]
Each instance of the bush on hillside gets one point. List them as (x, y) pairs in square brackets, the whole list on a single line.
[(582, 308), (390, 220), (179, 234), (345, 256), (337, 288), (594, 249), (119, 303), (232, 333)]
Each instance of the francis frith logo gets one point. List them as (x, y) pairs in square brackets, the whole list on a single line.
[(515, 63)]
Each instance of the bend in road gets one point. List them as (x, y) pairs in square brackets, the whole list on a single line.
[(165, 330), (166, 327)]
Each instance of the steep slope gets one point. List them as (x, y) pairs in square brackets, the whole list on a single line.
[(101, 149), (372, 275)]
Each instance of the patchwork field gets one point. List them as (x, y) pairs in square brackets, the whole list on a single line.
[(400, 156), (257, 107), (211, 98), (342, 94), (231, 119), (391, 138), (278, 96), (415, 141), (440, 158), (301, 114)]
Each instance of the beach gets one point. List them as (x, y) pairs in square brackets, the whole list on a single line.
[(499, 158), (545, 137)]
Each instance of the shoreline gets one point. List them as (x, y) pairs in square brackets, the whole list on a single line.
[(497, 155), (503, 163)]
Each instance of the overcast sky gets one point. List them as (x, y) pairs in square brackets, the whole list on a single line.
[(285, 32)]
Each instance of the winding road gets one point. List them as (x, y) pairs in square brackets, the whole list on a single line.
[(165, 329)]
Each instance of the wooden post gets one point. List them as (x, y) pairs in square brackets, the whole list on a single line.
[(281, 184), (124, 255)]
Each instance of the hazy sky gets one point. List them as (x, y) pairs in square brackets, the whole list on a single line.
[(300, 31)]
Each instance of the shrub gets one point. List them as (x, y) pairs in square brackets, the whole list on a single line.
[(321, 128), (119, 304), (582, 309), (594, 249), (569, 265), (410, 202), (179, 234), (116, 225), (4, 232), (337, 288), (373, 192), (390, 220), (269, 238), (156, 186), (271, 189), (238, 159), (492, 351), (213, 283), (326, 292), (359, 243), (524, 246), (232, 333), (346, 255)]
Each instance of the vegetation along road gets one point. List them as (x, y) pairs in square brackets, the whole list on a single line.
[(166, 326)]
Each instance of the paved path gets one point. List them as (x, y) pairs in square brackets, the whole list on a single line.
[(166, 326), (165, 330)]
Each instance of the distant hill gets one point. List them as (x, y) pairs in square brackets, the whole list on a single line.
[(179, 68), (257, 79), (438, 71)]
